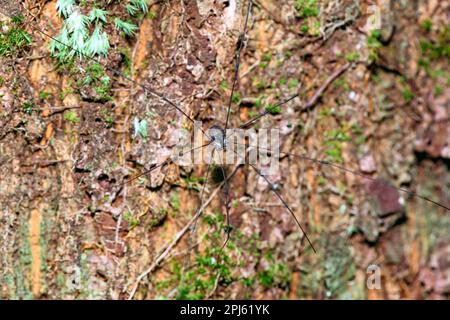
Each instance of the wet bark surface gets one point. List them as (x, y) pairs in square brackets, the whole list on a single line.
[(70, 228)]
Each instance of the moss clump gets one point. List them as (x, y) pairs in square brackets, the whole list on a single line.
[(15, 38)]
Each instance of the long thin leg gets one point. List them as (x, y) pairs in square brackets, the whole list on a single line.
[(165, 162), (271, 186), (356, 173), (284, 203), (266, 112), (201, 195), (240, 46), (227, 205), (311, 101)]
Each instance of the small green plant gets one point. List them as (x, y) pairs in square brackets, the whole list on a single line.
[(44, 95), (28, 107), (273, 109), (107, 117), (128, 28), (96, 77), (140, 128), (408, 95), (293, 83), (98, 15), (308, 11), (193, 183), (437, 49), (71, 117), (259, 84), (276, 275), (427, 25), (98, 44), (65, 7), (224, 85), (15, 38), (128, 216), (75, 38), (304, 28), (352, 56), (152, 15), (334, 142), (126, 60), (267, 57), (307, 8), (374, 45), (438, 90), (134, 6), (236, 98), (175, 201), (72, 39)]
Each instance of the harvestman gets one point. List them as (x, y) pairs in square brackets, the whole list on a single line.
[(219, 140)]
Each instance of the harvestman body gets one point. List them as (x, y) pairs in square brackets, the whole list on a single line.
[(216, 135)]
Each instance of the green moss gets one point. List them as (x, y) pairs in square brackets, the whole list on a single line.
[(28, 107), (304, 28), (126, 61), (438, 90), (99, 80), (15, 38), (267, 57), (330, 272), (71, 117), (437, 49), (258, 84), (407, 95), (273, 109), (224, 85), (236, 99), (193, 183), (107, 117), (277, 275), (334, 139), (374, 45), (152, 15), (293, 83), (44, 95), (352, 56), (22, 266), (307, 8), (175, 201), (129, 217), (427, 25)]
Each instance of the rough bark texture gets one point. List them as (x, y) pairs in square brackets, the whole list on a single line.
[(69, 229)]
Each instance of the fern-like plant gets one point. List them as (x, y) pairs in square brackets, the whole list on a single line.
[(127, 28), (77, 27), (98, 15), (59, 47), (134, 6), (65, 7), (98, 43), (75, 39)]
